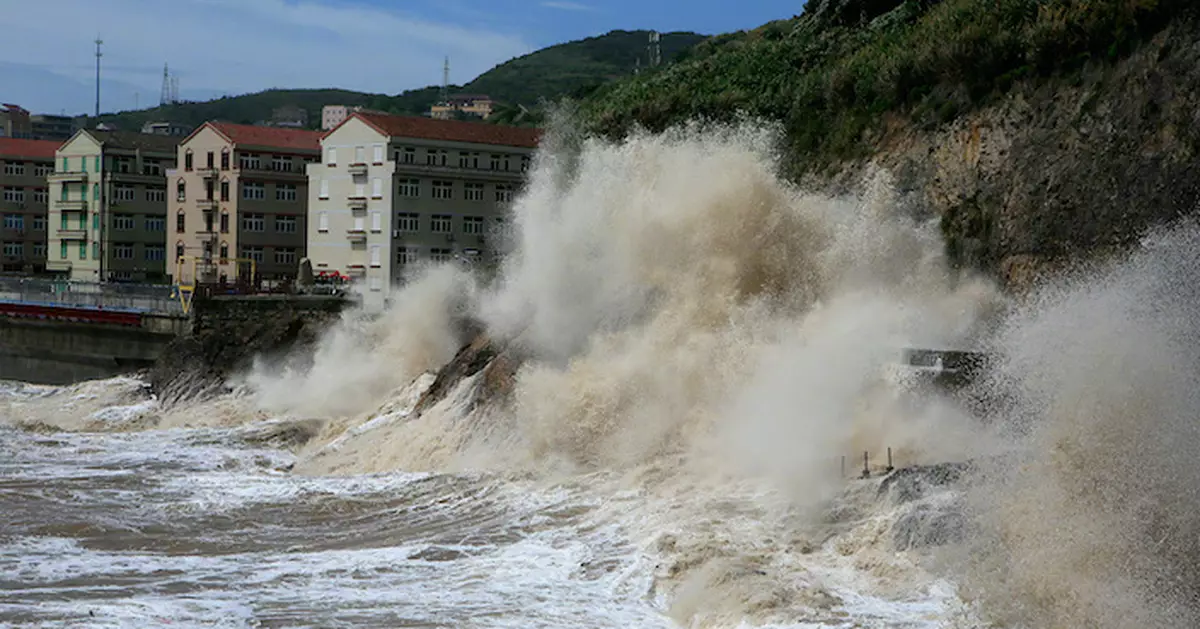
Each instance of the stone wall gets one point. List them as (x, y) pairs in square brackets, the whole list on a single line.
[(227, 333), (63, 352)]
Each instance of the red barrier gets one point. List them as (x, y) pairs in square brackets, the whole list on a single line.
[(70, 313)]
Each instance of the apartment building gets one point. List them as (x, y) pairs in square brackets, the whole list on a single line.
[(240, 193), (14, 121), (108, 206), (334, 115), (479, 105), (391, 192), (24, 165)]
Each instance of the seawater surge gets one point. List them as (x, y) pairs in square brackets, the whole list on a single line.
[(639, 423)]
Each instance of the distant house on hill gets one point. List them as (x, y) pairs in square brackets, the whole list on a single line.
[(333, 115), (288, 117), (479, 105), (166, 128)]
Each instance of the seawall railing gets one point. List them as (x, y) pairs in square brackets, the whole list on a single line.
[(146, 298)]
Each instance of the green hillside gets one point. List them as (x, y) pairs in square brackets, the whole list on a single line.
[(836, 73), (566, 69)]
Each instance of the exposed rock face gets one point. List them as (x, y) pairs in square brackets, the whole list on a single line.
[(909, 484), (227, 333), (498, 362), (1073, 168), (929, 525)]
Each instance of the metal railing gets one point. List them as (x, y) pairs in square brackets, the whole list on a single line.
[(154, 298)]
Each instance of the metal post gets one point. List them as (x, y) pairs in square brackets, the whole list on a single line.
[(843, 466), (889, 465), (866, 465)]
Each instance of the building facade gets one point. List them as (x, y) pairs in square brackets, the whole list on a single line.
[(476, 105), (14, 122), (239, 194), (108, 207), (393, 192), (166, 128), (24, 166), (50, 127), (334, 115)]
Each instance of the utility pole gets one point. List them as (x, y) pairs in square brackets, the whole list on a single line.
[(99, 42)]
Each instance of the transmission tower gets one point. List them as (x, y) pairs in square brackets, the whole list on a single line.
[(99, 42), (165, 95), (654, 50)]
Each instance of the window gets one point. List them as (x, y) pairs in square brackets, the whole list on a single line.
[(42, 170), (14, 221), (123, 222), (410, 155), (156, 224), (254, 191), (39, 223), (14, 249), (62, 250), (39, 250), (187, 160), (464, 159), (249, 161), (377, 188), (123, 192), (83, 250), (376, 255), (331, 156), (66, 168), (224, 222), (408, 222), (208, 222), (178, 250), (95, 220), (210, 161), (473, 191), (360, 190), (14, 195), (507, 163), (152, 167), (324, 191), (179, 222), (122, 251), (225, 159), (253, 253), (41, 195), (524, 163), (14, 168), (123, 164), (376, 221), (440, 224), (359, 155), (285, 224), (285, 192), (374, 283), (282, 163), (154, 253), (156, 195), (224, 251), (224, 189), (253, 222), (435, 157), (504, 193), (406, 255), (96, 163), (410, 188), (443, 190), (180, 191), (285, 255), (440, 255), (473, 225), (323, 221), (378, 158), (95, 191)]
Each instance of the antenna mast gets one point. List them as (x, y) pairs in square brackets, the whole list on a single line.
[(446, 81), (654, 50), (99, 42), (165, 95)]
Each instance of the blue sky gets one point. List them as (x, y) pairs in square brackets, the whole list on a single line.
[(220, 47)]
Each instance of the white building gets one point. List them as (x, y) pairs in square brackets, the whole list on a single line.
[(394, 191)]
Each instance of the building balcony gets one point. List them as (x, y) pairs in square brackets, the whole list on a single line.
[(356, 234), (58, 265), (207, 173), (357, 203), (357, 169), (206, 204), (356, 270), (74, 233), (71, 205), (74, 175)]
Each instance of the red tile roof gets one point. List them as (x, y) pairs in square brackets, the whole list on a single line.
[(271, 137), (451, 130), (33, 149)]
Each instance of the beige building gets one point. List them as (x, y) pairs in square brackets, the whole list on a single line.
[(334, 115), (391, 192), (240, 194), (469, 104), (24, 165), (15, 122), (108, 207)]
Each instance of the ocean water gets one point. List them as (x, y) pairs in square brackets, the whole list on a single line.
[(688, 349)]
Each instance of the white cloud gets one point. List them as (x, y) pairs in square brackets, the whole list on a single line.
[(567, 6), (237, 46)]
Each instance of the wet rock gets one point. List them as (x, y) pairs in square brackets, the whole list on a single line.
[(497, 362), (929, 525), (919, 481)]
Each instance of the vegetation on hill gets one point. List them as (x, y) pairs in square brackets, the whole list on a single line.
[(836, 73), (569, 69)]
